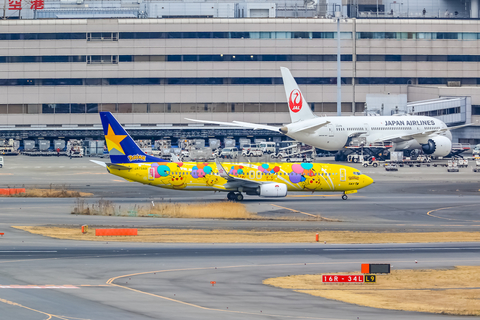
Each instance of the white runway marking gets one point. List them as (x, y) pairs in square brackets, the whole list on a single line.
[(400, 249), (38, 287), (27, 251)]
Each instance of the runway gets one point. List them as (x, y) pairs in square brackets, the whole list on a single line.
[(157, 281), (43, 278)]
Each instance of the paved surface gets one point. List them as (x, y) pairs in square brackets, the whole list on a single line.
[(104, 280)]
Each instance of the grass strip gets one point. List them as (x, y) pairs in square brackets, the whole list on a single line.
[(445, 291), (255, 236), (49, 193)]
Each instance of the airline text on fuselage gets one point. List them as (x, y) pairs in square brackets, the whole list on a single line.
[(410, 123)]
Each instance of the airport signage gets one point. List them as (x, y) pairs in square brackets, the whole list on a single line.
[(342, 278), (370, 278)]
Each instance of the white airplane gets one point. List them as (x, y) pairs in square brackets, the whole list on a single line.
[(332, 133)]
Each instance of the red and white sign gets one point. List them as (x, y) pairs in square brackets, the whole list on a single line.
[(34, 4), (15, 5), (340, 278), (295, 101)]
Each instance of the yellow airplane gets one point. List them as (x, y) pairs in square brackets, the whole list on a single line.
[(261, 179)]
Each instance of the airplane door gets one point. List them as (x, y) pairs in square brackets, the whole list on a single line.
[(343, 175), (330, 130), (367, 127), (259, 175), (151, 174)]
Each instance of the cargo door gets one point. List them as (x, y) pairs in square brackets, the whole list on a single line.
[(151, 173)]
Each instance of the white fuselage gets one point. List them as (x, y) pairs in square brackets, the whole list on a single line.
[(334, 136)]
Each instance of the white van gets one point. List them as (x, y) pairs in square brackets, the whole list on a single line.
[(267, 147), (229, 153), (1, 162)]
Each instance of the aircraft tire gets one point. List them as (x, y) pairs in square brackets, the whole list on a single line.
[(231, 196), (238, 197), (344, 197)]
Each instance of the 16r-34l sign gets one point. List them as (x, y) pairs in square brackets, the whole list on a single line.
[(339, 278)]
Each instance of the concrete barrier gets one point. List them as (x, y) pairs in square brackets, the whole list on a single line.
[(11, 191), (115, 232)]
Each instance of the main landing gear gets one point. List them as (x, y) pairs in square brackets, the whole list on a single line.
[(344, 197), (232, 196)]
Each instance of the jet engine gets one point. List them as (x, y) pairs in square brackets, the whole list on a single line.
[(439, 146), (273, 190), (269, 190)]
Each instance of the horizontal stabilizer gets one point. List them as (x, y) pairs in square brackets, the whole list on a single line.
[(111, 165), (100, 163), (117, 166)]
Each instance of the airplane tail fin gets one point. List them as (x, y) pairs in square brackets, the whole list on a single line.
[(120, 145), (297, 105)]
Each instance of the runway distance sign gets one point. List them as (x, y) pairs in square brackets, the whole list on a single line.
[(342, 278)]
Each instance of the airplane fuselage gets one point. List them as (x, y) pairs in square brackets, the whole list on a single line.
[(205, 176), (334, 136)]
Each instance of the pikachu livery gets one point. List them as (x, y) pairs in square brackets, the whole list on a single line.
[(257, 179)]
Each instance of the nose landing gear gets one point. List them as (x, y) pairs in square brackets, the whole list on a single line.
[(344, 197)]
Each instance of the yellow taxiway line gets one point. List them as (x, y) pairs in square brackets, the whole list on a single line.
[(429, 213), (293, 210)]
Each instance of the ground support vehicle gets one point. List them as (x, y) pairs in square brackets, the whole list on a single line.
[(452, 166), (462, 163), (476, 150), (9, 147), (370, 163), (252, 150), (1, 162), (229, 153), (476, 168), (391, 167), (75, 148), (458, 148), (360, 147), (267, 147)]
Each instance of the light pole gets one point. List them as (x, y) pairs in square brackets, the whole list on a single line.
[(338, 16)]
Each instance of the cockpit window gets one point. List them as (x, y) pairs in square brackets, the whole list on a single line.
[(357, 173)]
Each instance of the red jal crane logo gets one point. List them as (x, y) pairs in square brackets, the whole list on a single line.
[(295, 102)]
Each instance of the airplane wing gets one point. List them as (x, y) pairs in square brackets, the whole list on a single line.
[(240, 124), (237, 181), (312, 127), (457, 127)]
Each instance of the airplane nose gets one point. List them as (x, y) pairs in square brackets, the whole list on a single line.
[(367, 180)]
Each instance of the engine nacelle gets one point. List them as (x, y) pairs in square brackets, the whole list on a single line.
[(272, 190), (439, 146)]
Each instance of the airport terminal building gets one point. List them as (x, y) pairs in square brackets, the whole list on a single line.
[(58, 70)]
